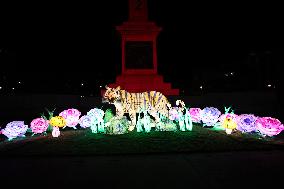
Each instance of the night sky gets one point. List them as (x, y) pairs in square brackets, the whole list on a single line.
[(53, 48)]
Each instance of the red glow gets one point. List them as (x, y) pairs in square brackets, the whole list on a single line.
[(139, 29)]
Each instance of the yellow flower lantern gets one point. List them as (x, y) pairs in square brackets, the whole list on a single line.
[(57, 121), (229, 123)]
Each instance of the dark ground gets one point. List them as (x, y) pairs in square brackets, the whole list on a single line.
[(261, 169)]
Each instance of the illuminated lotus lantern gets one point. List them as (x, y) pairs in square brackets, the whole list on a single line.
[(71, 116), (209, 116), (57, 122), (39, 125), (15, 129), (246, 123), (229, 122), (86, 121), (269, 126), (98, 120), (195, 114)]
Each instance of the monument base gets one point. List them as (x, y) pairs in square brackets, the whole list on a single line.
[(144, 82)]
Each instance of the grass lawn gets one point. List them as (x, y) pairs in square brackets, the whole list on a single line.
[(83, 142)]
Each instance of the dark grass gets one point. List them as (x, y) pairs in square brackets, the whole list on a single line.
[(83, 142)]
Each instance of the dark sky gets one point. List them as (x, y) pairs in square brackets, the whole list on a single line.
[(39, 41)]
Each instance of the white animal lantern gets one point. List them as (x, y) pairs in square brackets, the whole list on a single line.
[(184, 118), (144, 122)]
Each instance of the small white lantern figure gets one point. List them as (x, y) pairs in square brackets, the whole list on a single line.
[(55, 132)]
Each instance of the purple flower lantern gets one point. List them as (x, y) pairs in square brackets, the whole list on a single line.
[(15, 129), (246, 123), (209, 116), (86, 121)]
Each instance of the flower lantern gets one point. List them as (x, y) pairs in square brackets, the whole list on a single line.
[(209, 116), (98, 120), (39, 125), (269, 126), (57, 122), (71, 116), (246, 123), (15, 129), (229, 122), (195, 114), (86, 121)]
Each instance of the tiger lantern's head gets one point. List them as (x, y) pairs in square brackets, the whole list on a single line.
[(111, 95)]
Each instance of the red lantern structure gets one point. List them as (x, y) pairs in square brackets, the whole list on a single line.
[(139, 53)]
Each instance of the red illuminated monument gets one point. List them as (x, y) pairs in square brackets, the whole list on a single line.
[(139, 53)]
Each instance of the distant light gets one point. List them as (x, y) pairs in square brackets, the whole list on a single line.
[(0, 88), (232, 73), (226, 75), (19, 82), (82, 96), (201, 87), (268, 85), (82, 84), (13, 88), (101, 86)]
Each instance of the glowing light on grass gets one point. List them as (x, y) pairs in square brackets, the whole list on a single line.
[(39, 125), (269, 126), (71, 116), (15, 129), (246, 123), (209, 116)]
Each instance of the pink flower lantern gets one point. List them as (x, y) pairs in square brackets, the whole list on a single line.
[(71, 116), (269, 126), (195, 114), (39, 125)]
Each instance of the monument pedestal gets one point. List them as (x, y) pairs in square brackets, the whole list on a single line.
[(139, 53)]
